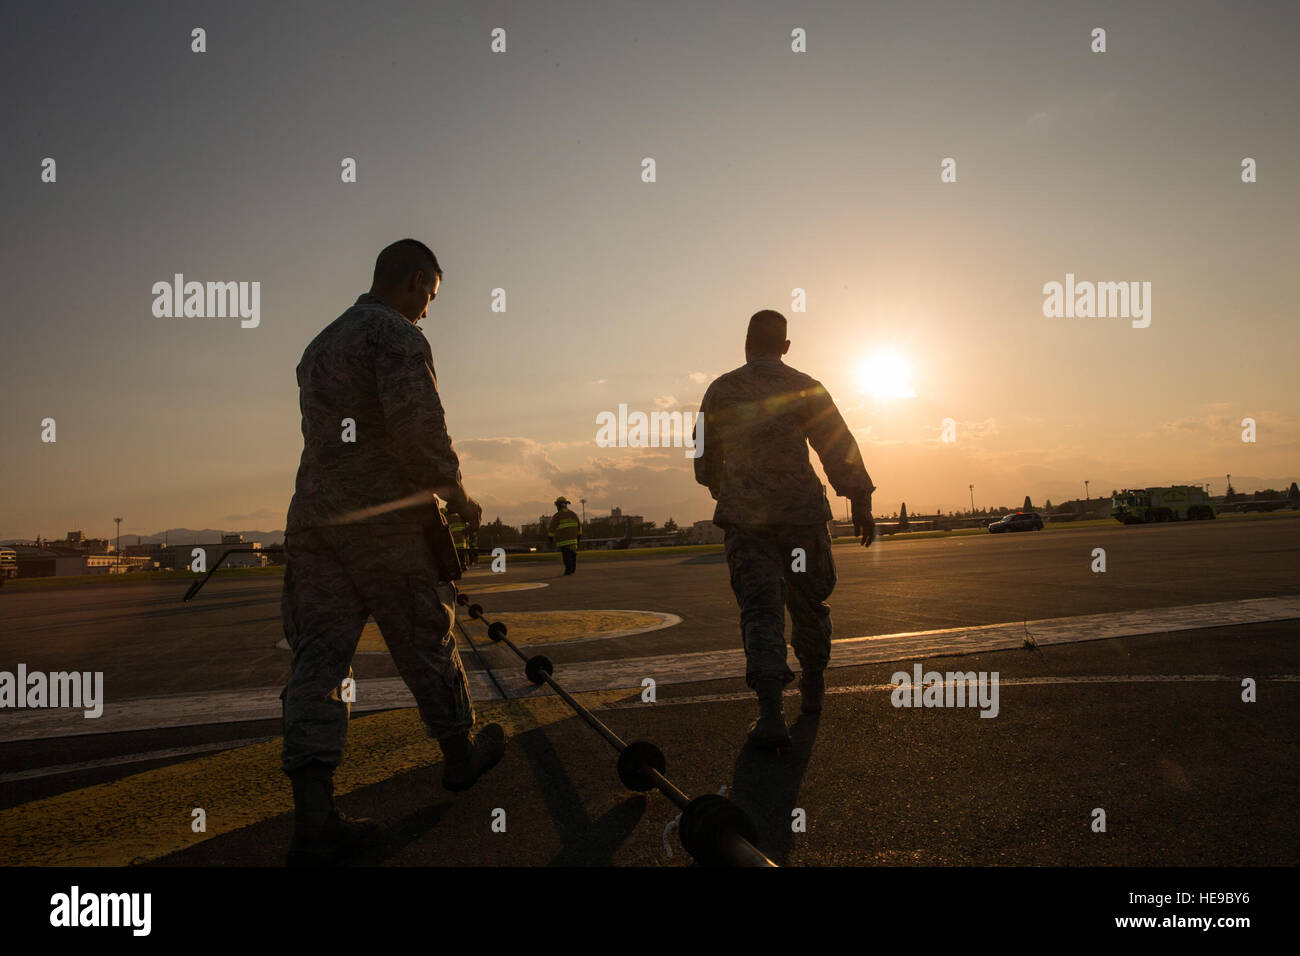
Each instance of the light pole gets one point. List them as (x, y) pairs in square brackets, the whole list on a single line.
[(119, 542), (1087, 496), (972, 500), (1227, 494)]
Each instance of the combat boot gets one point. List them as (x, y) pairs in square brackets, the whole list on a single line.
[(769, 731), (812, 685), (468, 756), (322, 835)]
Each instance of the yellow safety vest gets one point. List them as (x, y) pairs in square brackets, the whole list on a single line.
[(456, 525), (565, 528)]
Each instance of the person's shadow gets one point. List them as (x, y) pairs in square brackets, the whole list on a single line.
[(584, 841), (398, 835), (766, 786)]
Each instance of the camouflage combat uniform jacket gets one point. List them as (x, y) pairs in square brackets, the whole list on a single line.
[(356, 542), (374, 367), (758, 421)]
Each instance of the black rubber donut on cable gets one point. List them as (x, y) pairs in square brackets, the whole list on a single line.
[(535, 667), (462, 599), (476, 611), (496, 630), (705, 821), (635, 763)]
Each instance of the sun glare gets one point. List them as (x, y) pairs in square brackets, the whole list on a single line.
[(886, 374)]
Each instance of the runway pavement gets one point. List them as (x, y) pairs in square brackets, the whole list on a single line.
[(1129, 698)]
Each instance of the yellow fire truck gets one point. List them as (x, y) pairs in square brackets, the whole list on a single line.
[(1174, 503)]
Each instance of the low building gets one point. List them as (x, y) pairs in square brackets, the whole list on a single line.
[(77, 541), (103, 564), (706, 532), (42, 562), (145, 556), (179, 557)]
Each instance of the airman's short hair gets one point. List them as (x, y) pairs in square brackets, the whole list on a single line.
[(766, 332), (397, 261)]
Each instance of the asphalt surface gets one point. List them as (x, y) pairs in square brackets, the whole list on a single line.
[(148, 643), (1186, 772)]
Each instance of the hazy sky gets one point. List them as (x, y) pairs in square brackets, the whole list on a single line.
[(523, 170)]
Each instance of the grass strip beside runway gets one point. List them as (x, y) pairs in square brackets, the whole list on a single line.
[(149, 815)]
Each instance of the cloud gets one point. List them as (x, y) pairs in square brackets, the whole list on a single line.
[(665, 401), (504, 456), (1209, 423), (699, 378), (631, 473)]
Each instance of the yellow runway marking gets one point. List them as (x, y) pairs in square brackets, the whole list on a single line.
[(553, 627), (498, 588), (147, 815), (547, 627)]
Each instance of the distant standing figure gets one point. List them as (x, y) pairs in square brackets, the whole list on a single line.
[(758, 421), (456, 525), (566, 529)]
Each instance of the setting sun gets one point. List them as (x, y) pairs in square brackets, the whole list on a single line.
[(886, 374)]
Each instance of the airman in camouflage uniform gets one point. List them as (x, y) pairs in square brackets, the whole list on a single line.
[(757, 423), (375, 451)]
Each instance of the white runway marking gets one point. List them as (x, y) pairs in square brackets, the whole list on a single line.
[(223, 707), (1002, 682), (916, 645)]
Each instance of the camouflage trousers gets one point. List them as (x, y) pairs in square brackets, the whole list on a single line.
[(766, 579), (333, 580)]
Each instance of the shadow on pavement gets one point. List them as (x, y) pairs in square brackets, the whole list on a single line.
[(766, 785), (584, 841), (403, 833)]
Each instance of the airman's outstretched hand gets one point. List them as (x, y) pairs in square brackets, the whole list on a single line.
[(863, 523)]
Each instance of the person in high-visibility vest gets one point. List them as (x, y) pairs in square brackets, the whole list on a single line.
[(566, 529), (456, 525), (471, 546)]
